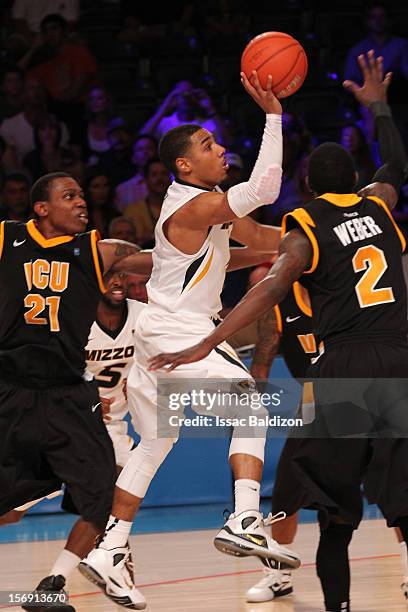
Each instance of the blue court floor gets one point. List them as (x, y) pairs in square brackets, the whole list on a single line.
[(41, 527)]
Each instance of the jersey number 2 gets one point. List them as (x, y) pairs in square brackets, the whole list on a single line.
[(37, 305), (372, 260)]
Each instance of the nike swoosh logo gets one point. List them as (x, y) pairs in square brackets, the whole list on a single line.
[(17, 243), (291, 319), (95, 406)]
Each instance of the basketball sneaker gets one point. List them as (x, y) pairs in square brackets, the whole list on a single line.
[(50, 584), (109, 570), (244, 535), (274, 584)]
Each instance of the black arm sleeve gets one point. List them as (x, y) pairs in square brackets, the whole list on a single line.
[(389, 139), (390, 173)]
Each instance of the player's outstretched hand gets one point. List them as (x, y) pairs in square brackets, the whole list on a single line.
[(169, 361), (375, 86), (265, 98)]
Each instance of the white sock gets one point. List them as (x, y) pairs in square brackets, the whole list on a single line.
[(247, 494), (404, 559), (116, 534), (65, 563)]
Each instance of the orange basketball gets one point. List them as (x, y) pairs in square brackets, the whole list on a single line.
[(280, 55)]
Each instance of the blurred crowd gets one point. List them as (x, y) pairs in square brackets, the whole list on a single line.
[(66, 102)]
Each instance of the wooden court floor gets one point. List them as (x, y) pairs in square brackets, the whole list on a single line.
[(184, 572)]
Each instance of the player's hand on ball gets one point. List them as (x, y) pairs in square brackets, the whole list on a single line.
[(265, 98), (375, 86), (173, 360)]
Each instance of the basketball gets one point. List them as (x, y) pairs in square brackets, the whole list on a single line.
[(280, 55)]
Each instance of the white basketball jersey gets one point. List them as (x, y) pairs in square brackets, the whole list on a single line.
[(188, 283), (109, 358)]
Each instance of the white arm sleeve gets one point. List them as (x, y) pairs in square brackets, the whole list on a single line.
[(264, 183)]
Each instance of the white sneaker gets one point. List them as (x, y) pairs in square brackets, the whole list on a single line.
[(108, 569), (244, 535), (274, 584)]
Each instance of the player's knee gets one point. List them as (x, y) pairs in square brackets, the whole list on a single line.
[(143, 464), (248, 446)]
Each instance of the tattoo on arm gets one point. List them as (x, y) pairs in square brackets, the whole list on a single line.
[(124, 249), (268, 341)]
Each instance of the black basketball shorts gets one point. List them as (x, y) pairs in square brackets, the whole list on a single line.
[(326, 462), (53, 436)]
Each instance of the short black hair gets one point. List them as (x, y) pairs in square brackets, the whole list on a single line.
[(175, 143), (331, 169), (55, 18), (15, 177), (10, 69), (40, 191)]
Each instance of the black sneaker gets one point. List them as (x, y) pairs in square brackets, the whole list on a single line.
[(54, 584)]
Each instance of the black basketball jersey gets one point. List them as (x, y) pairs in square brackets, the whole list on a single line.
[(50, 289), (355, 279), (298, 344)]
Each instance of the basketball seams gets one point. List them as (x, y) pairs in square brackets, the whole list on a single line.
[(301, 52), (258, 38), (295, 44)]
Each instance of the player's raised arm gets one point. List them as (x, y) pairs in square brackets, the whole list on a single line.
[(373, 94), (194, 157), (295, 255), (246, 257), (122, 256)]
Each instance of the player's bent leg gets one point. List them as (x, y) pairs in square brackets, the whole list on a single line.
[(11, 517), (276, 582), (244, 532), (108, 564)]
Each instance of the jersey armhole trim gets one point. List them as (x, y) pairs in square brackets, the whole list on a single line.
[(298, 299), (278, 316), (2, 224), (95, 237), (306, 223), (383, 205)]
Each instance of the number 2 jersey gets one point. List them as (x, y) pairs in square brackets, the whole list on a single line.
[(50, 289), (355, 280), (109, 357)]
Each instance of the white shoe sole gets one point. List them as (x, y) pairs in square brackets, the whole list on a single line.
[(91, 574), (277, 595), (239, 547)]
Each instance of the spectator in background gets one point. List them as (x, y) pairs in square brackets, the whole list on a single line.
[(45, 157), (121, 228), (14, 203), (67, 70), (18, 131), (8, 159), (28, 14), (145, 213), (99, 199), (99, 113), (394, 51), (228, 19), (12, 91), (187, 104), (117, 161), (135, 189), (353, 139)]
